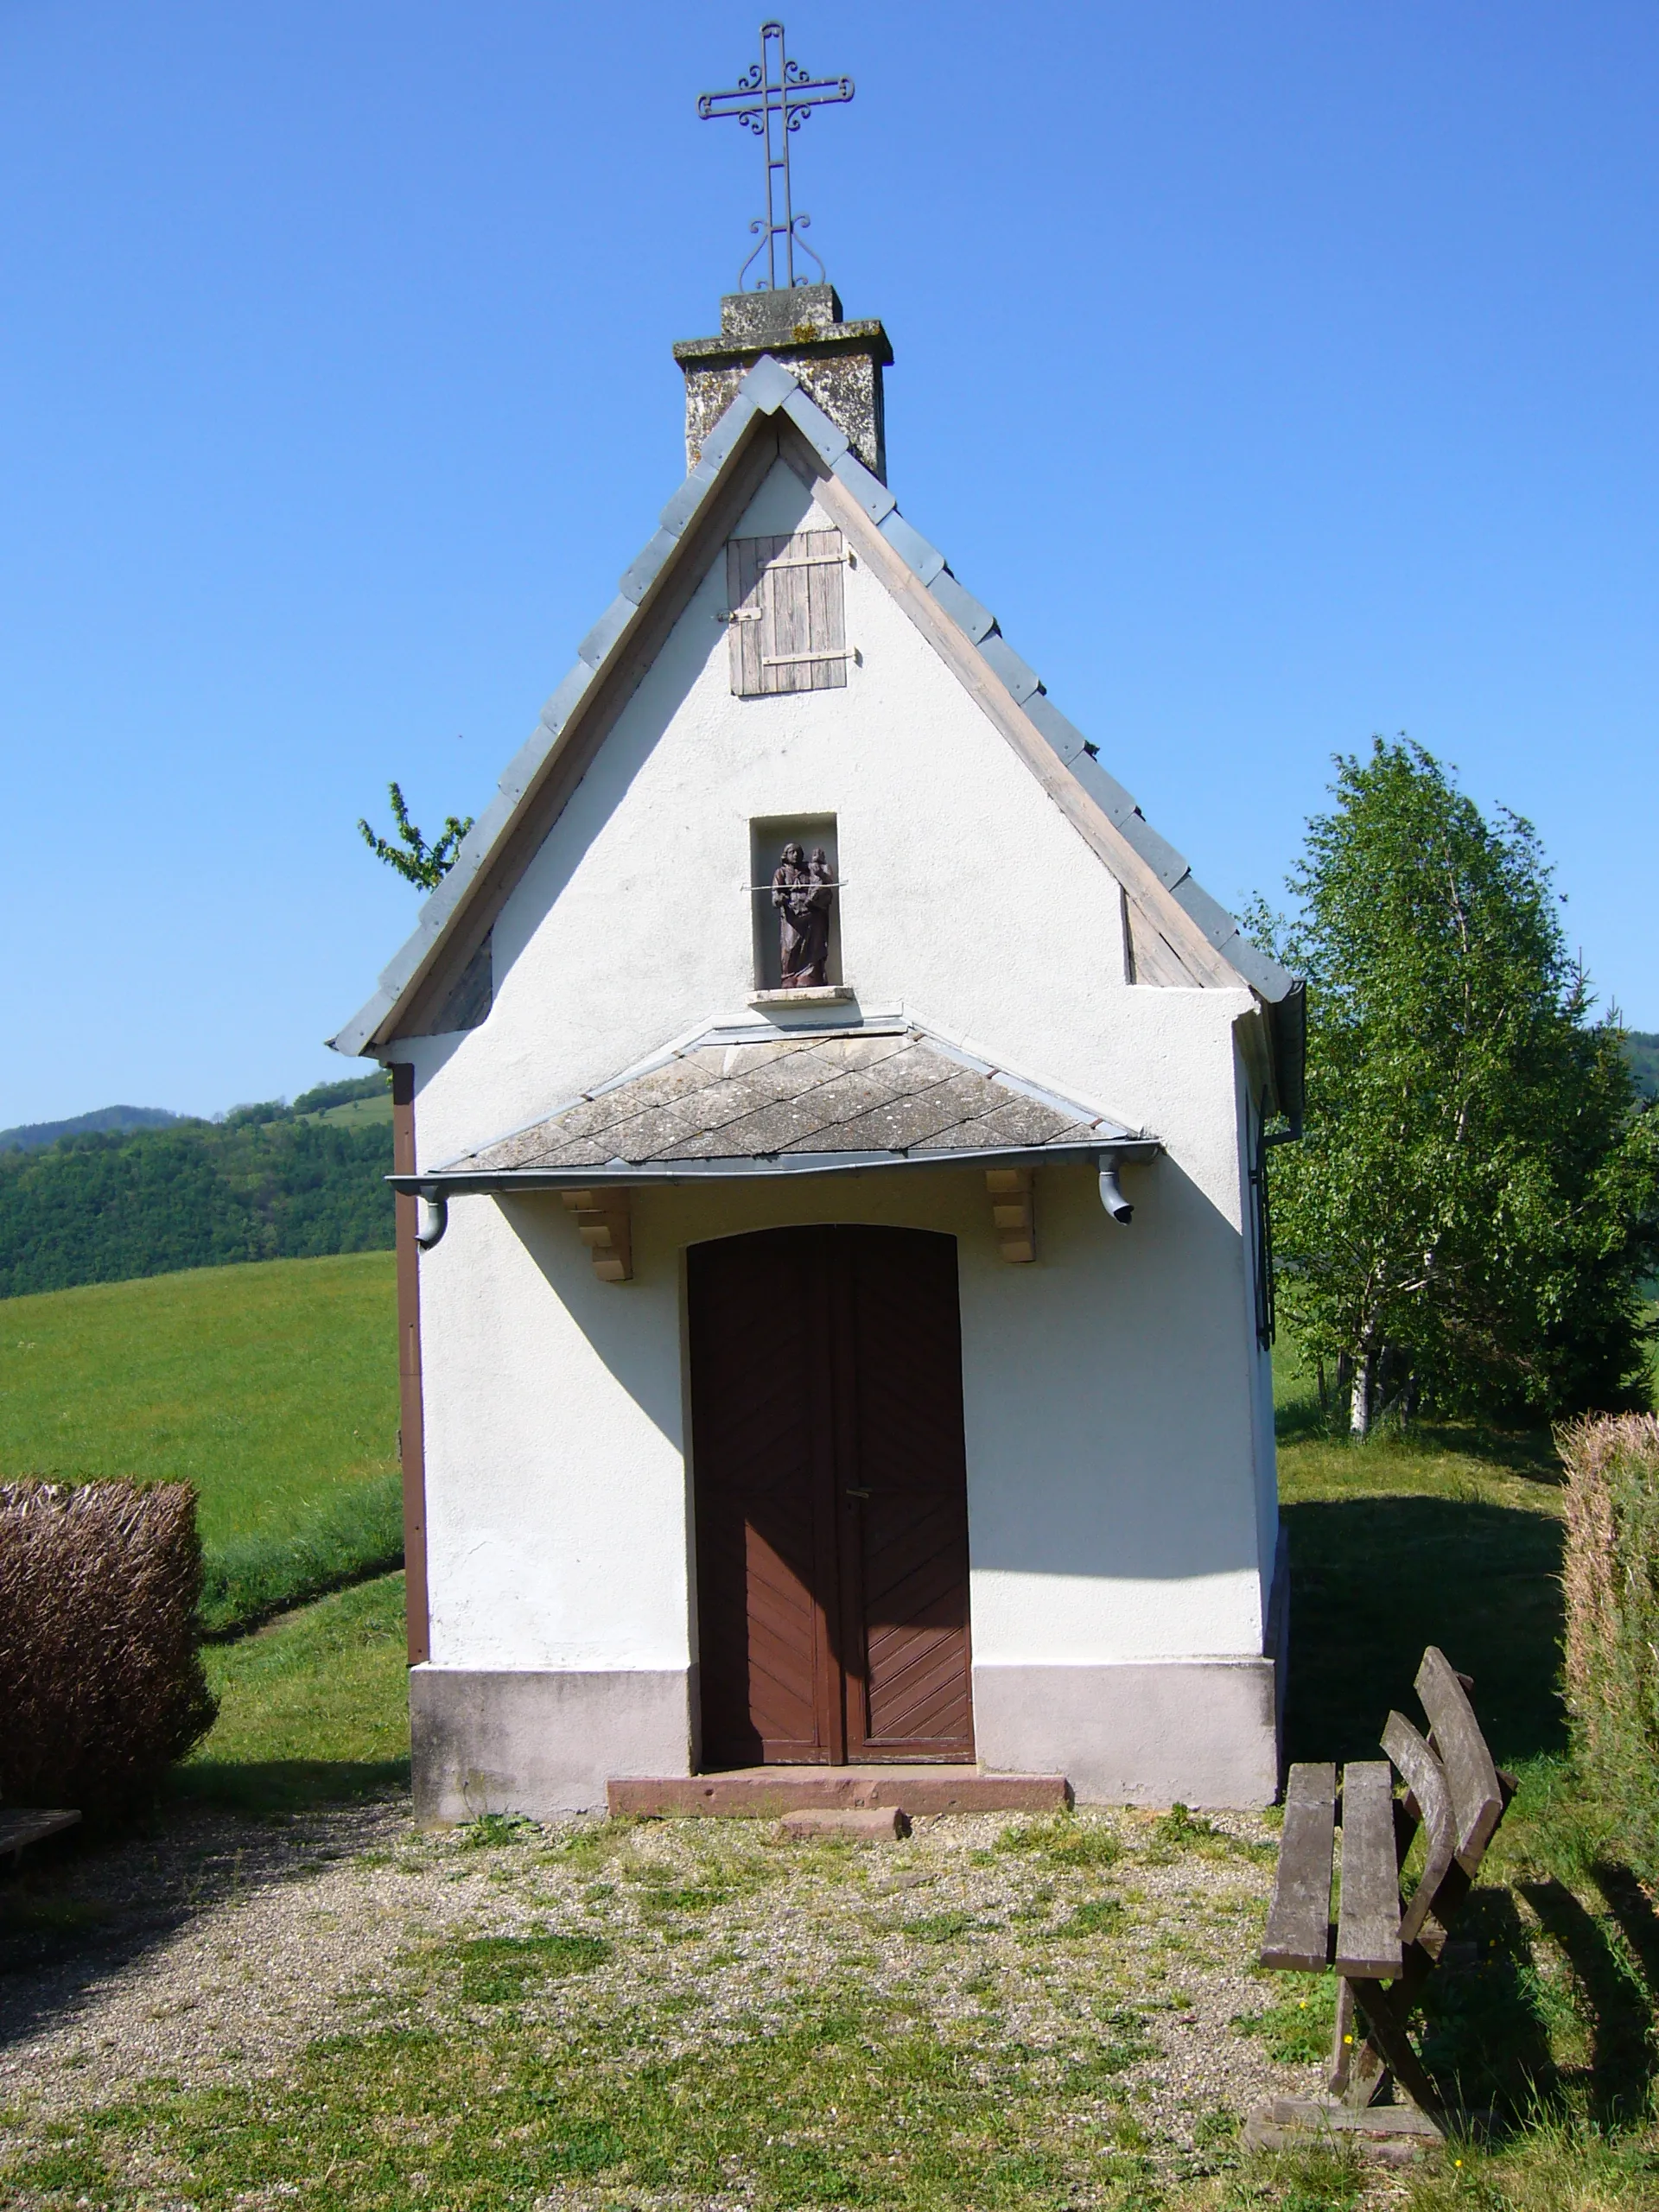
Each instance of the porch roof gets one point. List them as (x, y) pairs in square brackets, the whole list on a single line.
[(762, 1101)]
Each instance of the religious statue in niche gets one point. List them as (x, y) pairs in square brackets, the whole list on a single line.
[(801, 892)]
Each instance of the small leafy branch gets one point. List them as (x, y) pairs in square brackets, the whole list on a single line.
[(425, 866)]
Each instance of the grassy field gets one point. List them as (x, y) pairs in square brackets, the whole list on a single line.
[(356, 1112), (272, 1388)]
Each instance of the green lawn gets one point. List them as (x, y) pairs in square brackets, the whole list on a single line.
[(356, 1112), (313, 1709), (273, 1388)]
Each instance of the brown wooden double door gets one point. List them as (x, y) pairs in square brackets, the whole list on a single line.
[(831, 1498)]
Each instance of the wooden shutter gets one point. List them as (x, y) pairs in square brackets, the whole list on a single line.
[(788, 614)]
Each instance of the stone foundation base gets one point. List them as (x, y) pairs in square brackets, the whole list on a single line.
[(542, 1743), (1202, 1732)]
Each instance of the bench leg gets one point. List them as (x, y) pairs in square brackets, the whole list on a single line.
[(1383, 2012), (1357, 2069)]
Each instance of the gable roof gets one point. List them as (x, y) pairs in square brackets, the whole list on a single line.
[(740, 1100), (1180, 933)]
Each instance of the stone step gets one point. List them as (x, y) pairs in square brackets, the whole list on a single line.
[(766, 1793)]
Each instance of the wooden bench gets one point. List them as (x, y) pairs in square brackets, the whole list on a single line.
[(1385, 1946), (19, 1826)]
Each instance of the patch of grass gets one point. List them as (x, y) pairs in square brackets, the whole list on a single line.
[(499, 1969), (1094, 1917), (939, 1927), (312, 1709), (1555, 2167), (497, 1832), (684, 1896), (1063, 1841), (271, 1387), (1319, 2178), (1297, 2029)]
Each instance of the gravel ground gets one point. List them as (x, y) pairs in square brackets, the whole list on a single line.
[(216, 1949)]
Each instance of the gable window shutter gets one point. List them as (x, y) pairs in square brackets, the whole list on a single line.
[(788, 612)]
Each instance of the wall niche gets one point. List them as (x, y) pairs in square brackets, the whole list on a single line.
[(770, 838)]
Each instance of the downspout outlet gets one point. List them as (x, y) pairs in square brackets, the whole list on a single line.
[(1111, 1192)]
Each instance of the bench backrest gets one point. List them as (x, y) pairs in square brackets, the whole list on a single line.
[(1471, 1776), (1425, 1777)]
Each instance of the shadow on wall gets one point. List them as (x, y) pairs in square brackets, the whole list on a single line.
[(623, 1323), (1121, 1403)]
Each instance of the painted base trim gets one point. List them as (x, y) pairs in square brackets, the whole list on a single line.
[(1203, 1731), (542, 1743)]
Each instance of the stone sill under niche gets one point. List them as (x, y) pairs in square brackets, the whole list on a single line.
[(807, 994)]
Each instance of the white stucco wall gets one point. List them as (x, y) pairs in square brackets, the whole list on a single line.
[(1112, 1471), (1120, 1485)]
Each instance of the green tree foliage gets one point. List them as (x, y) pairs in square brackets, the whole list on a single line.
[(262, 1185), (1467, 1221), (425, 866), (1640, 1050)]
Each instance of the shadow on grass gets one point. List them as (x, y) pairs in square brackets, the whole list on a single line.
[(1616, 1989), (1374, 1579), (72, 1924), (260, 1786)]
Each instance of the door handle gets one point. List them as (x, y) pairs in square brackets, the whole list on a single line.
[(858, 1493)]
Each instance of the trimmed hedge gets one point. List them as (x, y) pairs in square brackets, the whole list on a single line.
[(101, 1681), (1611, 1579)]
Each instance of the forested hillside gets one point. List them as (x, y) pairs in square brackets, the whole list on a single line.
[(1642, 1050), (269, 1182), (30, 1136)]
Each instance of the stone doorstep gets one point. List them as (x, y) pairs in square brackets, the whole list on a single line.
[(767, 1793), (891, 1826)]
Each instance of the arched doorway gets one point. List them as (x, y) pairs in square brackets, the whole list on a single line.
[(831, 1498)]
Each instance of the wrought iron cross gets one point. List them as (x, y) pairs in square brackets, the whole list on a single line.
[(774, 98)]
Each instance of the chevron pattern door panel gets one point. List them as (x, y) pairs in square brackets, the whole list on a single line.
[(831, 1498), (765, 1532), (911, 1695)]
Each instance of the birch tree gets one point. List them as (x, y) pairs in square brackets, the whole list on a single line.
[(1469, 1217)]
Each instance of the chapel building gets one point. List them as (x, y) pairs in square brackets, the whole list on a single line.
[(835, 1298)]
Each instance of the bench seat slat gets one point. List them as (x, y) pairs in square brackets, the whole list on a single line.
[(1299, 1920), (1367, 1919)]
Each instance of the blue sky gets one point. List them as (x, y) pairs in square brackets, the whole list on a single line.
[(1279, 374)]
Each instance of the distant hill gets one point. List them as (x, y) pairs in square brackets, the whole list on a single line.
[(268, 1182), (1642, 1048), (31, 1135)]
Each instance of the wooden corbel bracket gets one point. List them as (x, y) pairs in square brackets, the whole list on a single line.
[(1010, 1189), (605, 1226)]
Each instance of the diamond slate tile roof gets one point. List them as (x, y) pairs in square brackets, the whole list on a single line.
[(899, 1095)]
